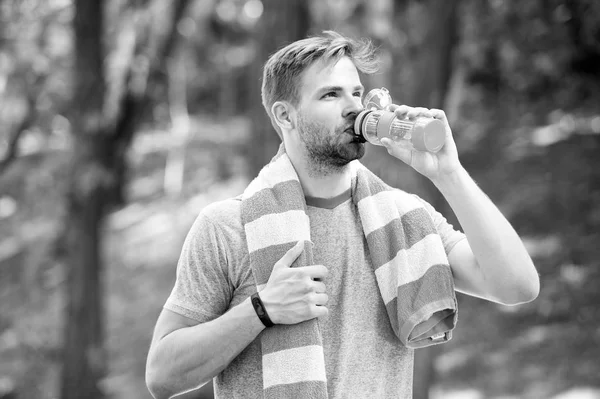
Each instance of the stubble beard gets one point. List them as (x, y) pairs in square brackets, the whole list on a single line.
[(327, 154)]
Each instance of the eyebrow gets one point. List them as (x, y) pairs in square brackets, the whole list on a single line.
[(338, 88)]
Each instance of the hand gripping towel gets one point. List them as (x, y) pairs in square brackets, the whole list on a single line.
[(408, 257)]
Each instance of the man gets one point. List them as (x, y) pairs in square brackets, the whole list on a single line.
[(214, 324)]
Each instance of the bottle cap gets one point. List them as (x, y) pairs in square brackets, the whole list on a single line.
[(377, 99), (428, 134)]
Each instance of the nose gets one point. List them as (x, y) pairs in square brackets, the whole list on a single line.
[(353, 107)]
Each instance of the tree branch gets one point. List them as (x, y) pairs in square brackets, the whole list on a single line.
[(32, 89), (134, 102), (134, 98), (16, 134)]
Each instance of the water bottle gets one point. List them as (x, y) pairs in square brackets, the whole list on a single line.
[(376, 122)]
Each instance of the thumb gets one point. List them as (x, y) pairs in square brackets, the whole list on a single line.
[(398, 151), (291, 255)]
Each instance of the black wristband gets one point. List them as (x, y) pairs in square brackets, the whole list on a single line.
[(260, 310)]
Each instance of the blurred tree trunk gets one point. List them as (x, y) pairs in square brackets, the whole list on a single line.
[(104, 123), (84, 358), (282, 23)]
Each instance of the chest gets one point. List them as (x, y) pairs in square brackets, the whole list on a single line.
[(339, 245)]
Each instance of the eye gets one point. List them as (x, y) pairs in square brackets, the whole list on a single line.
[(329, 94), (358, 94)]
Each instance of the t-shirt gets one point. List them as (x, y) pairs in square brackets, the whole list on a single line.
[(363, 357)]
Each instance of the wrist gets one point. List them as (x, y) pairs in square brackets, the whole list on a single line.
[(260, 310), (450, 180), (250, 316)]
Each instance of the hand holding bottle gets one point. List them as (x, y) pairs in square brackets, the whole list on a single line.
[(378, 121), (437, 166)]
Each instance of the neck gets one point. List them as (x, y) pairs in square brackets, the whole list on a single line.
[(318, 181)]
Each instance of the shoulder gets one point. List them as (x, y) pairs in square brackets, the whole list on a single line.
[(215, 238), (422, 202), (415, 200), (410, 200), (223, 209), (223, 216)]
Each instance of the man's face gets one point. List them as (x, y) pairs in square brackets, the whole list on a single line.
[(330, 99)]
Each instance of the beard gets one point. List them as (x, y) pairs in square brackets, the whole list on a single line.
[(328, 153)]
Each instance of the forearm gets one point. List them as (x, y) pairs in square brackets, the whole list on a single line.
[(504, 263), (189, 357)]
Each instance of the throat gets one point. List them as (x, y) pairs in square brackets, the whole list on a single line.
[(325, 185)]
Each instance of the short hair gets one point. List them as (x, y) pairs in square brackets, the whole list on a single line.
[(282, 71)]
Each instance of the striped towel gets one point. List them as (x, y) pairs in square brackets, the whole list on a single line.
[(408, 257)]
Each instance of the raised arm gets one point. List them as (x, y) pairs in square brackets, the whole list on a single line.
[(493, 262)]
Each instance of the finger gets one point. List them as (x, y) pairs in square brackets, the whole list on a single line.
[(419, 111), (438, 114), (401, 111), (392, 107), (318, 287), (291, 255), (399, 151), (319, 299), (319, 311), (314, 271)]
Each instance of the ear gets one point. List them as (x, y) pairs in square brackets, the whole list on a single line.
[(282, 114)]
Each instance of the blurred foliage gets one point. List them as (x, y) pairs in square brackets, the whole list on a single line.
[(522, 92)]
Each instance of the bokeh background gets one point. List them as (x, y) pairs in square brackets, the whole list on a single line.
[(121, 119)]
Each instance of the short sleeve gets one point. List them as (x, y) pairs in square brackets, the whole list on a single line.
[(449, 235), (202, 290)]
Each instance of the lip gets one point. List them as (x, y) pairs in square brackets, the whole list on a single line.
[(350, 130), (354, 138)]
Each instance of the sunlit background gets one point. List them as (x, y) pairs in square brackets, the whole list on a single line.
[(108, 151)]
